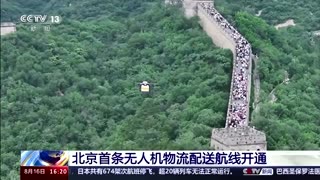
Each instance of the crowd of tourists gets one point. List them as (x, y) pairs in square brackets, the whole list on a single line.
[(239, 105)]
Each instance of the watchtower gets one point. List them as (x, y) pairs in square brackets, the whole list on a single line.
[(242, 139), (7, 28)]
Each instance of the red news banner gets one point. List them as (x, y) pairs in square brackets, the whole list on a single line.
[(44, 172)]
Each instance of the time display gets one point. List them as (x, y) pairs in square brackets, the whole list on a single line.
[(44, 172), (58, 171)]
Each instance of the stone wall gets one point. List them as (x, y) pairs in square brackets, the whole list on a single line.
[(243, 137), (7, 28), (222, 39)]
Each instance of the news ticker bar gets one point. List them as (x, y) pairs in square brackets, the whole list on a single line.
[(97, 173), (169, 158)]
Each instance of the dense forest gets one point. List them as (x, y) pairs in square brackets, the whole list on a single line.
[(305, 13), (75, 87)]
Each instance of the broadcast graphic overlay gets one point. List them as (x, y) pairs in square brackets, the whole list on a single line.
[(40, 22), (44, 164), (137, 165), (121, 165)]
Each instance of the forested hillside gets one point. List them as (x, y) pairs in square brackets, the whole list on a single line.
[(76, 86), (12, 10), (292, 119), (304, 12)]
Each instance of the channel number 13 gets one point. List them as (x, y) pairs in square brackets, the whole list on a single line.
[(55, 19)]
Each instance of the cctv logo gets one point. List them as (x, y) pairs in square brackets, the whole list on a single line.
[(258, 171), (251, 171), (33, 18)]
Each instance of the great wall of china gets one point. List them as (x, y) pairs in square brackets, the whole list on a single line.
[(237, 134)]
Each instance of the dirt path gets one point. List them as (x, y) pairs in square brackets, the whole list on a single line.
[(259, 13), (272, 93), (316, 33), (273, 96), (289, 22)]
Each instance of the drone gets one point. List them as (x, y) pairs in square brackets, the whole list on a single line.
[(145, 87)]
